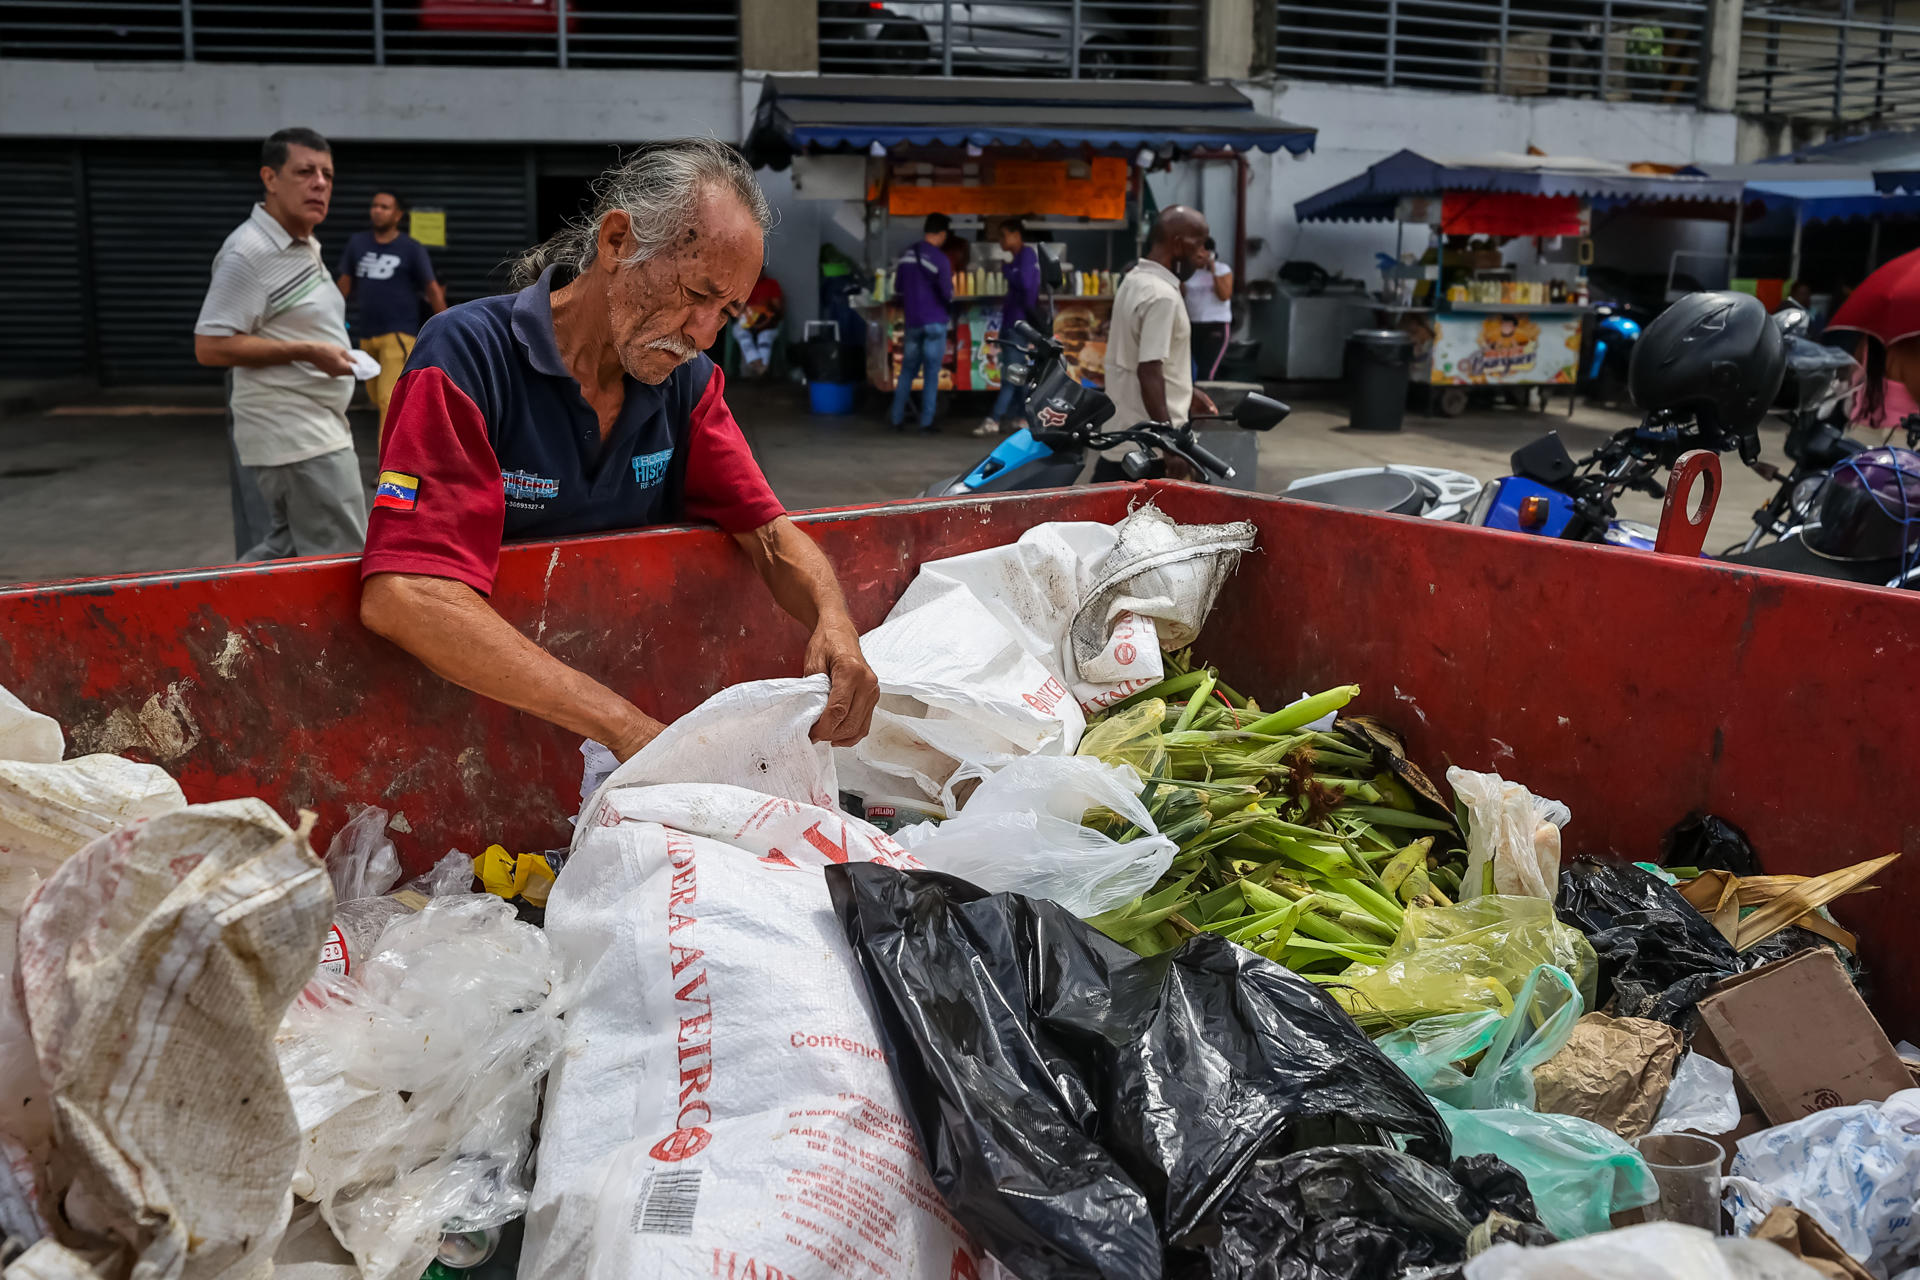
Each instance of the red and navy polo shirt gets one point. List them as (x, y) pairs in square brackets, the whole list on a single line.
[(489, 440)]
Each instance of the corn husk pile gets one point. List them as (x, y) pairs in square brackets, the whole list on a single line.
[(1302, 844)]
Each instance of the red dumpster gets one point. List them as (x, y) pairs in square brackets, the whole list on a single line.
[(1636, 688)]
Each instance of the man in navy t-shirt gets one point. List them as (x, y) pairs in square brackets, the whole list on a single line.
[(388, 274), (582, 404)]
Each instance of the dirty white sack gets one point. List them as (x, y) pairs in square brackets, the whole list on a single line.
[(723, 1105), (26, 734), (48, 812), (155, 965), (1000, 653)]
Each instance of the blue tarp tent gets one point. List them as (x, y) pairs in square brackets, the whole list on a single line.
[(1373, 195)]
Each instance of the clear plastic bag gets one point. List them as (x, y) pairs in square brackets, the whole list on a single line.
[(415, 1080), (1511, 830), (1133, 737), (1854, 1169), (1021, 832), (1580, 1174), (361, 861), (1651, 1251), (1465, 958), (1701, 1099), (1433, 1051)]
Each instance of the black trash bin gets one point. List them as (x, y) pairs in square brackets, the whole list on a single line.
[(821, 360), (1378, 362)]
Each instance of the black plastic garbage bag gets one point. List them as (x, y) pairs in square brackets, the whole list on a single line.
[(1658, 956), (1359, 1213), (1079, 1105), (1711, 844)]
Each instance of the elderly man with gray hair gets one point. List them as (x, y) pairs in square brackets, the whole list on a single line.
[(580, 404)]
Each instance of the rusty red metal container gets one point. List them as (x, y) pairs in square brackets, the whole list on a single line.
[(1637, 688)]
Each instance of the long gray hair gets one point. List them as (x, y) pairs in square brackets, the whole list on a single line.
[(658, 189)]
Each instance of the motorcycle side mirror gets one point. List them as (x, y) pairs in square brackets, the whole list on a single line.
[(1260, 413), (1138, 464), (1793, 320), (1544, 461)]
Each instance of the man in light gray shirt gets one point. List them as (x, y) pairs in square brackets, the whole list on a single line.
[(275, 318)]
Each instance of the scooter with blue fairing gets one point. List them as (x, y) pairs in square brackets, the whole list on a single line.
[(1063, 422)]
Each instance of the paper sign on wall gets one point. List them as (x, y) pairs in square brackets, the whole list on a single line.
[(429, 227)]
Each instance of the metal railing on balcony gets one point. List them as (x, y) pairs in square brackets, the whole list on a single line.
[(563, 33), (1615, 50), (1075, 39), (1839, 64)]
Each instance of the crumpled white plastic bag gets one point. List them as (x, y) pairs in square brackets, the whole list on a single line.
[(1515, 830), (1021, 832), (1700, 1099), (415, 1079), (361, 860), (1651, 1251), (1856, 1169)]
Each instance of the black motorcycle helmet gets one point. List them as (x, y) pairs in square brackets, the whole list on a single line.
[(1716, 356)]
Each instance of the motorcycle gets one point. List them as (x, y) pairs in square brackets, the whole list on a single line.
[(1063, 424), (1815, 401), (1616, 328)]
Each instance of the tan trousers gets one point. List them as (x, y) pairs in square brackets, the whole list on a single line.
[(391, 350)]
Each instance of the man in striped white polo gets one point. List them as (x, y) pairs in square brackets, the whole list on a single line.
[(275, 318)]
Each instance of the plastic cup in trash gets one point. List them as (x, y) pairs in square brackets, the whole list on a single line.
[(1686, 1168)]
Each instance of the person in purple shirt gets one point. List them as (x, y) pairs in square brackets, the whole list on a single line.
[(1022, 303), (923, 281)]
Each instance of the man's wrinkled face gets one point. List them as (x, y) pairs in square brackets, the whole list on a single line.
[(666, 310), (303, 186)]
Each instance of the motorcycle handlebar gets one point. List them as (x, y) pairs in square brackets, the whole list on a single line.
[(1207, 457)]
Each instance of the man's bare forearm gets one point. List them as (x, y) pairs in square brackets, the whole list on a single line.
[(796, 571), (458, 636), (245, 351), (1153, 391)]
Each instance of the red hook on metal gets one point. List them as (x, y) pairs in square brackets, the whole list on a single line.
[(1683, 532)]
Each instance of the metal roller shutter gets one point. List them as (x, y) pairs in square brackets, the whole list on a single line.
[(42, 282), (158, 214)]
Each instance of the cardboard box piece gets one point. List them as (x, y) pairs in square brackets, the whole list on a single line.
[(1799, 1039)]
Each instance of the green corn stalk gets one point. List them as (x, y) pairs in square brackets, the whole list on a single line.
[(1306, 711)]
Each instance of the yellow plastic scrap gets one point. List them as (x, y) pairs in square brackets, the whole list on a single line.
[(1463, 958), (510, 875)]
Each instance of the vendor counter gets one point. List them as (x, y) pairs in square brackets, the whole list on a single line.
[(973, 354)]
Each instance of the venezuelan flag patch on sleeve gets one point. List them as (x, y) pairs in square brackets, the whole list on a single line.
[(397, 491)]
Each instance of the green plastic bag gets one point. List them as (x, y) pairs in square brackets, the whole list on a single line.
[(1433, 1051), (1466, 958), (1580, 1174)]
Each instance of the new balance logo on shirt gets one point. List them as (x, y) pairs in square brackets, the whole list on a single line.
[(377, 266)]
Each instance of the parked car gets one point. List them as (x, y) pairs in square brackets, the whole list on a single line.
[(905, 37)]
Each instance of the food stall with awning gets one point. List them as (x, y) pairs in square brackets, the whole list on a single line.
[(1066, 157), (1784, 201), (1513, 316)]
